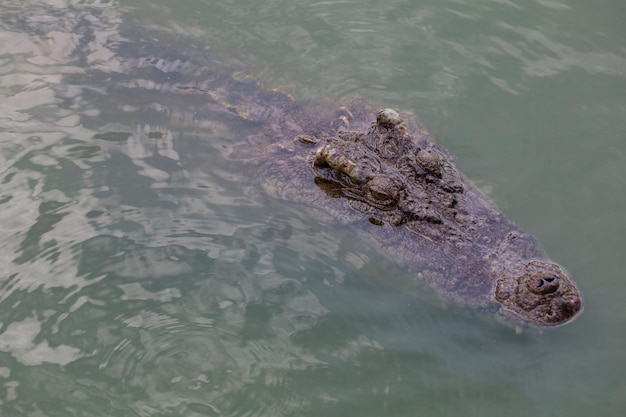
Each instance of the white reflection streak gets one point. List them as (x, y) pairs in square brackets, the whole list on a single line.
[(18, 340), (33, 130)]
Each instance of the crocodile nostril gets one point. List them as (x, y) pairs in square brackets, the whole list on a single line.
[(543, 285)]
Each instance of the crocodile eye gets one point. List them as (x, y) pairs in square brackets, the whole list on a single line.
[(382, 188), (381, 194)]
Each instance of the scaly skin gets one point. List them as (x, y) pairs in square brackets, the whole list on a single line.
[(425, 212)]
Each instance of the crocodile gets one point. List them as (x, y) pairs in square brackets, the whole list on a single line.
[(421, 209), (378, 171)]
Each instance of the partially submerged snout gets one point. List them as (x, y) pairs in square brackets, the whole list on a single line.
[(542, 296)]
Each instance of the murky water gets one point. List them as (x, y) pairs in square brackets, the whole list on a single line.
[(143, 275)]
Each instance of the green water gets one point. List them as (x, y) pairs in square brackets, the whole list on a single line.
[(140, 278)]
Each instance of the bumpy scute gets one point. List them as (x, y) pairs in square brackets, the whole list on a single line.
[(389, 172), (412, 184)]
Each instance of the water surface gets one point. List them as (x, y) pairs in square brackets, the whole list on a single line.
[(142, 275)]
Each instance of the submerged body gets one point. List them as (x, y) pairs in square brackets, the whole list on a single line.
[(384, 175), (422, 210)]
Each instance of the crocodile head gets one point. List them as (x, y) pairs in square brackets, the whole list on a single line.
[(405, 180), (393, 178)]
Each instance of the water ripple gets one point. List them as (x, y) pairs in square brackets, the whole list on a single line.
[(140, 276)]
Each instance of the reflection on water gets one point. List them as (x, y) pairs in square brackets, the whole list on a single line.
[(140, 279), (142, 275)]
